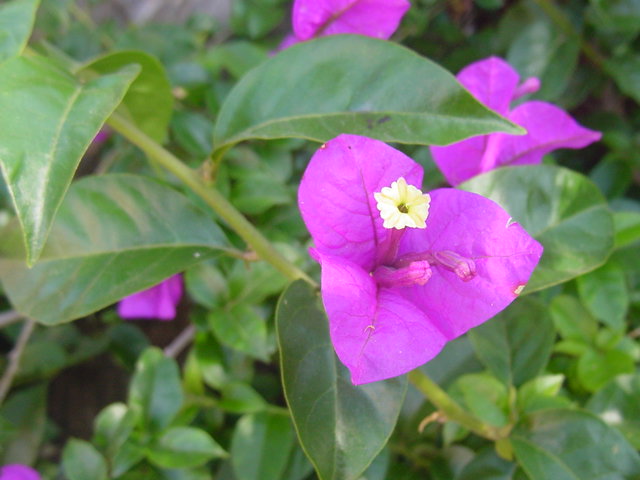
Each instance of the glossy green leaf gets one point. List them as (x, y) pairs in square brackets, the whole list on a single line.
[(484, 396), (184, 447), (114, 235), (517, 343), (238, 397), (261, 446), (113, 425), (341, 427), (541, 393), (155, 394), (596, 368), (39, 152), (605, 293), (16, 22), (562, 209), (572, 445), (352, 84), (148, 101), (241, 328), (617, 404), (81, 461)]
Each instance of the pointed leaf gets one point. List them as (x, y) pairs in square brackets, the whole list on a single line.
[(329, 89), (341, 427), (114, 235), (81, 461), (572, 445), (516, 344), (184, 447), (148, 101), (16, 22), (40, 151), (562, 209)]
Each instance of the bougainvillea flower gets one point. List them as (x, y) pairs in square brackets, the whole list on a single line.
[(18, 472), (158, 302), (317, 18), (398, 284), (496, 84)]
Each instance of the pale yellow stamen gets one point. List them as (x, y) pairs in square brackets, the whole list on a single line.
[(402, 205)]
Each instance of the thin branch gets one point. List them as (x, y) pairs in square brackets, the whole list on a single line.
[(14, 358), (180, 342), (9, 318)]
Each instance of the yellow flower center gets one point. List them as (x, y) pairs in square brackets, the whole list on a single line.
[(402, 205)]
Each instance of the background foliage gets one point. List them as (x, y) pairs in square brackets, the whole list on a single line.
[(209, 135)]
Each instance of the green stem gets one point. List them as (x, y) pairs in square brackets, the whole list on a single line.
[(560, 19), (450, 408), (254, 239)]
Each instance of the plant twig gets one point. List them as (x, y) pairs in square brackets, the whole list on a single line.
[(253, 238), (9, 318), (14, 358), (180, 342)]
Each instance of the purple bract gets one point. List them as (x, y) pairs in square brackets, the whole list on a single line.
[(158, 302), (317, 18), (18, 472), (495, 83), (394, 296)]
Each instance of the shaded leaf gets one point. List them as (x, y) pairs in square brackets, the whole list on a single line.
[(114, 235), (605, 293), (16, 22), (184, 447), (341, 427), (81, 461)]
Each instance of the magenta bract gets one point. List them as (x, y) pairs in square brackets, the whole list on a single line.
[(496, 84), (372, 18), (18, 472), (158, 302), (395, 297)]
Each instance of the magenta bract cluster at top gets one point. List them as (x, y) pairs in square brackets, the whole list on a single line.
[(18, 472), (395, 297), (158, 302), (496, 84), (372, 18)]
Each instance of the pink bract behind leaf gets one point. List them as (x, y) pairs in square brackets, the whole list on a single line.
[(158, 302), (373, 18), (18, 472)]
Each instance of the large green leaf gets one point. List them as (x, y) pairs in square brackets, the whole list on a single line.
[(562, 209), (605, 293), (341, 427), (572, 445), (114, 235), (48, 120), (148, 101), (516, 345), (352, 84), (16, 22), (81, 461)]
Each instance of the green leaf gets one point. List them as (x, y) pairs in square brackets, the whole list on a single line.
[(605, 293), (16, 22), (341, 427), (113, 425), (572, 320), (241, 328), (184, 447), (541, 393), (516, 344), (39, 152), (25, 411), (572, 445), (596, 368), (617, 405), (627, 226), (238, 397), (148, 101), (625, 71), (484, 396), (114, 235), (487, 465), (81, 461), (562, 209), (352, 84), (155, 393), (261, 446)]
